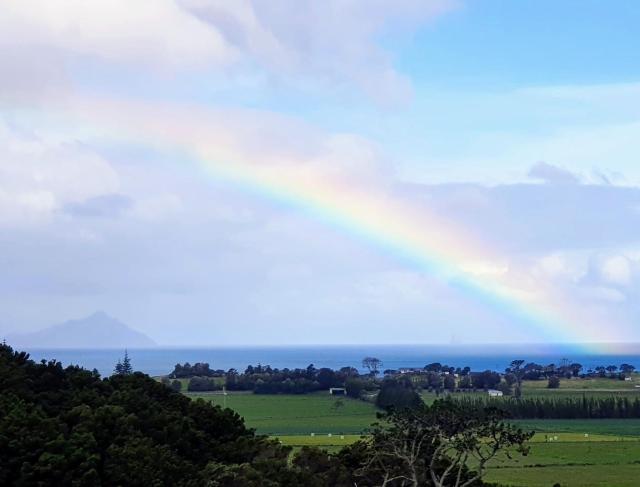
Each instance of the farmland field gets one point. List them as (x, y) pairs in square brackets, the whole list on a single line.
[(585, 453), (298, 414), (598, 383)]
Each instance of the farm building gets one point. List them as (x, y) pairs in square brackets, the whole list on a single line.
[(337, 391), (494, 393)]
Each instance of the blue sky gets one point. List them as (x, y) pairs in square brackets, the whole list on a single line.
[(493, 45), (516, 122)]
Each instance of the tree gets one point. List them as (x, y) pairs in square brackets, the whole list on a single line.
[(627, 369), (449, 382), (126, 364), (518, 372), (575, 369), (554, 382), (354, 387), (612, 369), (465, 382), (485, 380), (435, 382), (176, 385), (433, 367), (348, 372), (505, 388), (436, 445), (68, 426), (118, 368), (397, 394), (373, 364)]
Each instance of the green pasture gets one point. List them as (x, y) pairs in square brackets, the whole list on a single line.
[(609, 427), (573, 453), (597, 461), (599, 475), (542, 393), (597, 383), (285, 414)]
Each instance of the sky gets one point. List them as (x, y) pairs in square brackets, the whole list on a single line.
[(346, 171)]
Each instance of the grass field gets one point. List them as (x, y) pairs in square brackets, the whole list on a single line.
[(617, 475), (601, 384), (571, 460), (596, 461), (610, 427), (298, 414), (560, 452)]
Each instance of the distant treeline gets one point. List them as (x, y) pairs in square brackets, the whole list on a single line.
[(199, 369), (559, 408), (266, 380), (263, 379), (434, 377)]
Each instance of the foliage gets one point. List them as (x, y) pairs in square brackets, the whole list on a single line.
[(373, 364), (124, 367), (186, 371), (67, 426), (201, 384), (516, 370), (434, 445), (485, 380), (176, 385), (554, 382), (266, 380), (397, 394), (354, 387), (558, 408)]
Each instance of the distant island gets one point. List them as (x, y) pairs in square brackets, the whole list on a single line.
[(98, 330)]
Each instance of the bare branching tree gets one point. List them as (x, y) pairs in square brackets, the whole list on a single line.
[(440, 445), (373, 364)]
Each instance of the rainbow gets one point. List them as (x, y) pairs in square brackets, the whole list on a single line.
[(372, 213), (417, 238)]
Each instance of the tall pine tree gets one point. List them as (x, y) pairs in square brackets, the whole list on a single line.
[(126, 364), (118, 368)]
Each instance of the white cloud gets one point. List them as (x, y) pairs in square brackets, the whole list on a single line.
[(330, 43), (602, 293), (552, 174), (151, 33), (39, 176), (560, 266), (157, 208), (616, 270), (333, 40)]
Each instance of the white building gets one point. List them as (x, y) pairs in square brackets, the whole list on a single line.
[(494, 393)]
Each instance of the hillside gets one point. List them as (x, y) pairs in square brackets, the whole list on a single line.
[(98, 330)]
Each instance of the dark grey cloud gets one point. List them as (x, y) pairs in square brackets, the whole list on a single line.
[(552, 174), (104, 206)]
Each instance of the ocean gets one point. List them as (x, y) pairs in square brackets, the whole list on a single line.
[(159, 361)]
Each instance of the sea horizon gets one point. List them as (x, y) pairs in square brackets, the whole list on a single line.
[(161, 359)]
